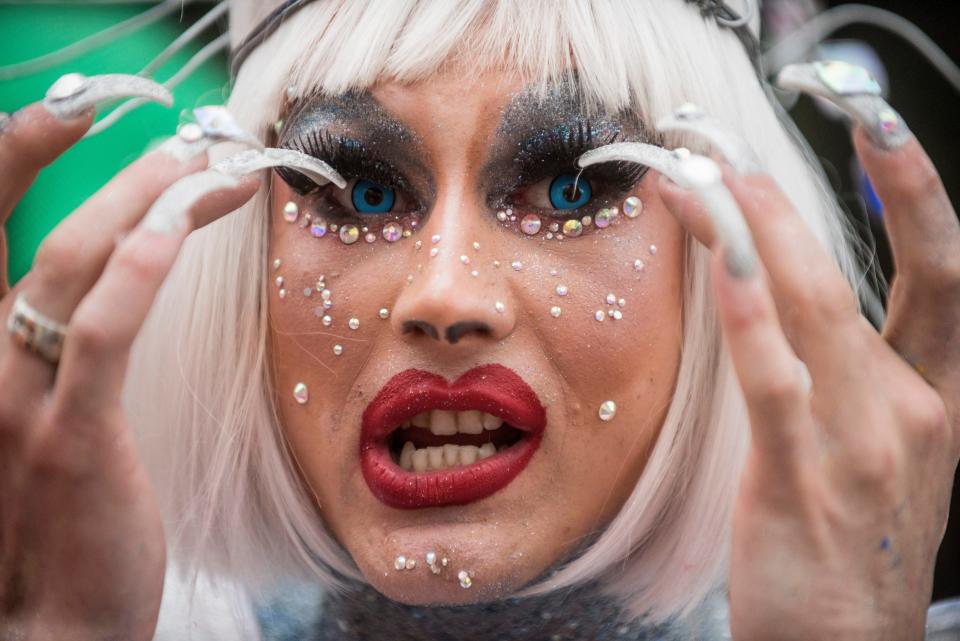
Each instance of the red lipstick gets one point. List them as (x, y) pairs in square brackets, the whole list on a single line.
[(493, 389)]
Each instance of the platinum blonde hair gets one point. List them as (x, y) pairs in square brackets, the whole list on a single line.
[(200, 391)]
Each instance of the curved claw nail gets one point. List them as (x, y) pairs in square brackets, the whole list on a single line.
[(658, 158), (213, 125), (852, 89), (704, 177), (74, 93), (247, 162), (731, 146), (169, 212)]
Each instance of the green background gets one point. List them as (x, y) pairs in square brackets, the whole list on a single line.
[(28, 31)]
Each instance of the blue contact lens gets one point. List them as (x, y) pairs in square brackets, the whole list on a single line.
[(372, 198), (563, 195)]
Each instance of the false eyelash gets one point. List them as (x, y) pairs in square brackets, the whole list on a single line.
[(556, 151), (349, 157)]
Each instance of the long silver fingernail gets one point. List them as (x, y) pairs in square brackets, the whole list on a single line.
[(169, 212), (704, 178), (690, 118), (658, 158), (248, 162), (4, 121), (853, 90), (73, 94), (212, 125)]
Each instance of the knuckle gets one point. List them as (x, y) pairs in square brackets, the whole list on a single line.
[(926, 418), (877, 465), (779, 391), (57, 255), (142, 264), (87, 333)]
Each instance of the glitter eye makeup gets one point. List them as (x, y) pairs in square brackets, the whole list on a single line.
[(531, 182)]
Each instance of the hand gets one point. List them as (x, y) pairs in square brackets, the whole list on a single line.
[(845, 493), (82, 552)]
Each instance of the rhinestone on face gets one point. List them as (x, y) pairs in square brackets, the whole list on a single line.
[(474, 273), (349, 234), (653, 249), (502, 216), (410, 564), (476, 246), (353, 323), (433, 252), (370, 237), (67, 86), (500, 307), (276, 263), (435, 239), (530, 224), (308, 291), (278, 281), (392, 232), (632, 207), (318, 229), (291, 212), (384, 313), (400, 562), (622, 302), (846, 79), (599, 315), (516, 265), (587, 221), (573, 228), (326, 320), (562, 290), (617, 314), (611, 299), (638, 265), (608, 409), (603, 218), (464, 577), (304, 221), (555, 311), (465, 260), (337, 350), (417, 245), (300, 393), (431, 558)]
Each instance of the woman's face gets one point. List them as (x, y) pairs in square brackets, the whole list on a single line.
[(464, 420)]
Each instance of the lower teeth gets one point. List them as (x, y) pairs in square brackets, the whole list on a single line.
[(440, 458)]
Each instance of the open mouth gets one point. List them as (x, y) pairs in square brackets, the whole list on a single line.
[(427, 443), (440, 439)]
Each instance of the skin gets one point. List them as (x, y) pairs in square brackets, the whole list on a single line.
[(585, 468), (843, 499)]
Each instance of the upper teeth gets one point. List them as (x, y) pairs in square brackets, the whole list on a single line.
[(443, 422)]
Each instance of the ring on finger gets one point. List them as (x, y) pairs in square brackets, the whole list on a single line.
[(36, 332)]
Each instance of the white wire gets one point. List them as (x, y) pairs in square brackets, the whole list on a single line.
[(210, 50), (185, 38), (796, 46), (91, 42)]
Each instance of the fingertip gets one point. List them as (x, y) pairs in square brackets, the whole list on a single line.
[(742, 298), (687, 210), (34, 136)]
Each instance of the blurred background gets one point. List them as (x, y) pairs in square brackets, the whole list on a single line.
[(928, 102)]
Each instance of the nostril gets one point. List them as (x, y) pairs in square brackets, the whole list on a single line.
[(458, 330), (420, 327)]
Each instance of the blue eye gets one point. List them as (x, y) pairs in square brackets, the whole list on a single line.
[(372, 198), (564, 196)]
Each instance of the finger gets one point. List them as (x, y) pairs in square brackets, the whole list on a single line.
[(72, 257), (31, 140), (924, 307), (923, 227), (108, 319), (688, 211), (774, 382), (817, 307)]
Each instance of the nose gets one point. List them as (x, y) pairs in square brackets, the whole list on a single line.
[(457, 296)]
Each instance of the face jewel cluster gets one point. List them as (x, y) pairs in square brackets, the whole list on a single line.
[(533, 224), (435, 563), (614, 306), (348, 234)]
